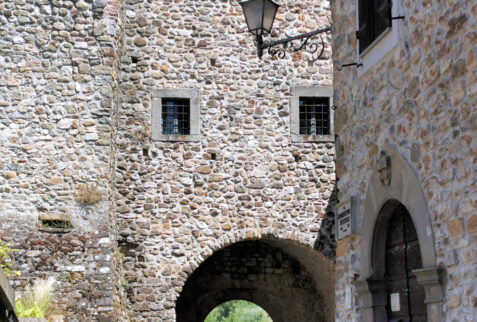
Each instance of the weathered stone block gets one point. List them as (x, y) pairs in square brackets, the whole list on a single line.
[(456, 228), (216, 177)]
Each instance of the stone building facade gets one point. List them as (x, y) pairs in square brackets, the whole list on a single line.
[(80, 84), (181, 199), (406, 125)]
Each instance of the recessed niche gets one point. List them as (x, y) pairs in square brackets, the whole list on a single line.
[(54, 223)]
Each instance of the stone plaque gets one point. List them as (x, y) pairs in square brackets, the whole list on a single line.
[(395, 302), (344, 224), (347, 217)]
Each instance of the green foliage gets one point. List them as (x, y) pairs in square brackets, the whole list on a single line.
[(127, 287), (36, 302), (5, 259), (119, 255), (238, 311), (67, 276)]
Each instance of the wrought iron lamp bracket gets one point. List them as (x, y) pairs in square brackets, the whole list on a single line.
[(279, 48), (340, 68)]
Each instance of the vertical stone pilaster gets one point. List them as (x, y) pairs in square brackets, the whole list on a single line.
[(430, 279), (372, 299)]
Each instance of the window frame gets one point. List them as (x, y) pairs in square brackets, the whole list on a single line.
[(372, 22), (383, 44), (193, 96), (309, 91)]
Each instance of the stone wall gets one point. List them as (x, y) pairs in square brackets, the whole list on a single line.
[(56, 76), (76, 87), (420, 99), (177, 202)]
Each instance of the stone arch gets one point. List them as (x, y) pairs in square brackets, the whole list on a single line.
[(270, 282), (239, 235), (381, 199)]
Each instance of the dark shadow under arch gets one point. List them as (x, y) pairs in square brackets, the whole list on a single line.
[(290, 281), (380, 236)]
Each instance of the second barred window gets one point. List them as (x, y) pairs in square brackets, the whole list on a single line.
[(314, 115)]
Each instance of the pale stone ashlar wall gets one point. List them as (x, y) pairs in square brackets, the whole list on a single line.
[(56, 78), (179, 202), (420, 99)]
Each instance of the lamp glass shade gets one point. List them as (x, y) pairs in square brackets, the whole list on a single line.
[(269, 16), (259, 15)]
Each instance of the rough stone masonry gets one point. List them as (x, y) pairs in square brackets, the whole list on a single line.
[(177, 202), (76, 86), (57, 62), (420, 99)]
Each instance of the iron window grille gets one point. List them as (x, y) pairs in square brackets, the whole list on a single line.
[(176, 116), (374, 19), (314, 115)]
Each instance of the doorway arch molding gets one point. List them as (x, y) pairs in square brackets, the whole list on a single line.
[(404, 187)]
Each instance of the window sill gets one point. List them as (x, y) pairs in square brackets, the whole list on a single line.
[(380, 48), (376, 42), (176, 137), (295, 138)]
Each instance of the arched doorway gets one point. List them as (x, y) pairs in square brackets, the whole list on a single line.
[(401, 188), (290, 281), (396, 255)]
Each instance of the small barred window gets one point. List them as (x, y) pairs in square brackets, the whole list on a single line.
[(314, 115), (175, 116), (311, 115)]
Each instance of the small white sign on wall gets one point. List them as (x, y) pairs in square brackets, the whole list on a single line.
[(344, 220), (347, 217), (348, 298), (395, 302)]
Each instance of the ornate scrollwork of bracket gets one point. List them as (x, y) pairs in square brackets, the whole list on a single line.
[(314, 47), (299, 44)]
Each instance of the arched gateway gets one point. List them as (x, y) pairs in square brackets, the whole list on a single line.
[(292, 282)]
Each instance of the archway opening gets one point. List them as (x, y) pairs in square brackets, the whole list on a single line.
[(290, 281), (238, 311), (396, 255)]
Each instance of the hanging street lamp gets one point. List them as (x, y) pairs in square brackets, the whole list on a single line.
[(260, 15)]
